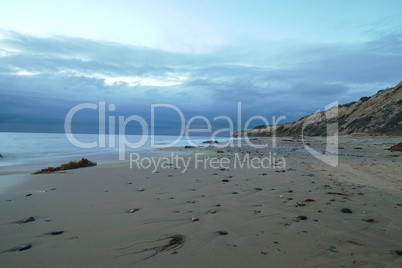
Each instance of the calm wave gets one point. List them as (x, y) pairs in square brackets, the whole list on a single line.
[(38, 150)]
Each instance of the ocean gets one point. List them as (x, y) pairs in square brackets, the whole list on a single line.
[(32, 151)]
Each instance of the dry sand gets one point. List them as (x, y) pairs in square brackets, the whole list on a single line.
[(90, 205)]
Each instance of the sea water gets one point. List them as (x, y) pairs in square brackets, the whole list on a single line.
[(31, 151)]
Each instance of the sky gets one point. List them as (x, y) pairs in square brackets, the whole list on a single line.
[(276, 58)]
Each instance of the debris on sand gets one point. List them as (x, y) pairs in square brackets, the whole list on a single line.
[(176, 241), (336, 193), (355, 243), (25, 247), (71, 165), (346, 210), (57, 232), (396, 147), (30, 219)]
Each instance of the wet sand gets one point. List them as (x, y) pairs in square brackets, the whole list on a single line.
[(258, 207)]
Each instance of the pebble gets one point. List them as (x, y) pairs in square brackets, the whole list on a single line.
[(222, 232), (332, 200), (25, 247), (368, 220), (141, 189), (234, 192), (225, 180), (133, 210), (346, 210), (194, 219), (302, 218), (28, 194), (258, 189), (399, 252), (57, 233), (29, 220), (333, 249)]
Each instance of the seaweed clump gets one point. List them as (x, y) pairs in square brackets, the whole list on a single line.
[(71, 165), (176, 242), (396, 147)]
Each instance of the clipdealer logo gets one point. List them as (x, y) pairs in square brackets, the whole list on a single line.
[(330, 156)]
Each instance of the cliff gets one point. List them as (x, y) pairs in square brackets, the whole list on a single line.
[(380, 114)]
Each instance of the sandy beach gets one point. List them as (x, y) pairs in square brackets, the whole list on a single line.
[(282, 212)]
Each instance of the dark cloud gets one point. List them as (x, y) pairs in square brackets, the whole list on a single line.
[(269, 78)]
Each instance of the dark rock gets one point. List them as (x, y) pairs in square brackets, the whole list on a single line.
[(346, 210), (220, 152), (28, 195), (25, 247), (225, 180), (189, 147), (57, 233), (1, 156), (29, 220), (368, 220), (234, 192), (333, 249), (302, 218), (211, 142), (258, 189), (290, 191), (222, 232), (399, 252)]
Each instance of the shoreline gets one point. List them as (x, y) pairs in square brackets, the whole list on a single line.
[(259, 208)]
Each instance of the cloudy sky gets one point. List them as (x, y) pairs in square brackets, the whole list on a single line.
[(287, 58)]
